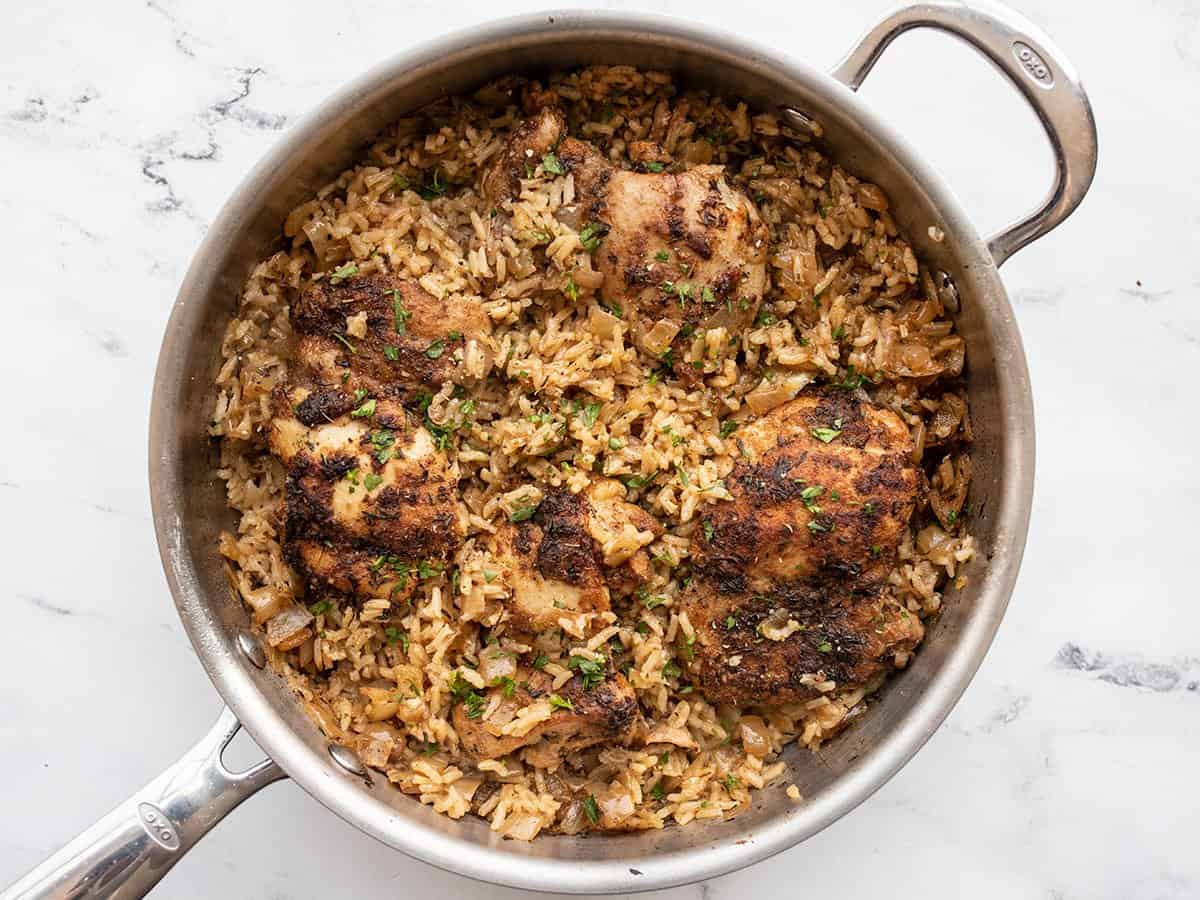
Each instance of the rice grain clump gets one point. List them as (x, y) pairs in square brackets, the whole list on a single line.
[(542, 665)]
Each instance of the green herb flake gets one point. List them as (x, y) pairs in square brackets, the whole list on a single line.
[(560, 702), (825, 435), (728, 427), (709, 530), (552, 165), (657, 792), (824, 647), (816, 526), (365, 410), (391, 352), (591, 809), (346, 342), (591, 235), (654, 167), (615, 443), (662, 256), (590, 413), (341, 273), (540, 661), (372, 481), (670, 670), (591, 672), (730, 622), (321, 606), (732, 782), (523, 513), (436, 349)]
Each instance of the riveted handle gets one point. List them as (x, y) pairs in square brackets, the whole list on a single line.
[(126, 853), (1036, 67)]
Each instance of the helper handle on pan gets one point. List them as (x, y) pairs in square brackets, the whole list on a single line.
[(129, 850), (1036, 68)]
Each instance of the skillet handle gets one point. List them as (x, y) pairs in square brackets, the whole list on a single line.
[(1036, 67), (126, 853)]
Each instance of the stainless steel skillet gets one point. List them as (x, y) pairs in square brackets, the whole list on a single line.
[(126, 853)]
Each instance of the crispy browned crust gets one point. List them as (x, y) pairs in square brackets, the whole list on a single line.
[(324, 348), (604, 712), (528, 143), (822, 559)]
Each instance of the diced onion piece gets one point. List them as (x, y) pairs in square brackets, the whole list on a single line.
[(659, 338)]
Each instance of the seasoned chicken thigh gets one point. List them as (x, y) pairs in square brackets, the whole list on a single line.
[(790, 574), (581, 715), (388, 337), (569, 555), (682, 252), (368, 493)]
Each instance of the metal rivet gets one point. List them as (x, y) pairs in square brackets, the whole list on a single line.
[(798, 120), (251, 649), (347, 759)]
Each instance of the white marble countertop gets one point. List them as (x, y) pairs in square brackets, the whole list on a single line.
[(1068, 769)]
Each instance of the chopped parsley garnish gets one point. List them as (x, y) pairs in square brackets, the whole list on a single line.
[(731, 783), (591, 671), (320, 606), (591, 809), (592, 234), (570, 288), (683, 476), (670, 670), (868, 508), (952, 516), (662, 255), (430, 748), (615, 443), (559, 702), (590, 413), (637, 481), (730, 622), (707, 295), (809, 496), (436, 349), (816, 526), (728, 427), (392, 634), (384, 442), (765, 319), (391, 351), (462, 692), (523, 513), (654, 167), (341, 273), (615, 308), (365, 410), (540, 661), (400, 182), (657, 792), (349, 346), (551, 164), (875, 551), (372, 481), (506, 684), (433, 188), (427, 569), (709, 530), (400, 315), (824, 647), (825, 435)]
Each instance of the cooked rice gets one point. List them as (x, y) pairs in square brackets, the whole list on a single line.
[(850, 304)]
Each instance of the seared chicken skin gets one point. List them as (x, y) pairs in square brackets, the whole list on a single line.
[(369, 495), (386, 335), (790, 575), (687, 250), (560, 561), (582, 716)]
